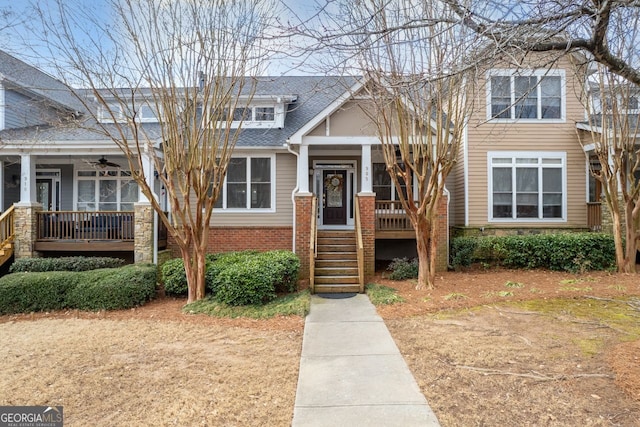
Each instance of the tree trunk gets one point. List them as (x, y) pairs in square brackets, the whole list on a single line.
[(629, 265), (618, 241), (426, 272), (195, 264)]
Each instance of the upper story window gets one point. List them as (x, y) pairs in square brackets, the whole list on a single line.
[(252, 116), (116, 112), (531, 96)]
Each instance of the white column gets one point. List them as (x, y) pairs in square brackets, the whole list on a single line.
[(303, 169), (148, 170), (366, 183), (28, 179)]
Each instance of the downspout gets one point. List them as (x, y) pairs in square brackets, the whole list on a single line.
[(293, 195)]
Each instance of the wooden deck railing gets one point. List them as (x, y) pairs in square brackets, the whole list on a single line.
[(80, 225), (7, 230), (594, 216), (359, 246), (390, 216), (313, 243)]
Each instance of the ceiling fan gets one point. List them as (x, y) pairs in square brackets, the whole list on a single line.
[(103, 163)]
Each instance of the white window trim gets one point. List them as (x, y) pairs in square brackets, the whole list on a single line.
[(104, 117), (97, 178), (249, 209), (527, 73), (560, 155), (394, 191), (277, 122)]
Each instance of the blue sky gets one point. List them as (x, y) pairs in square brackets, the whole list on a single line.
[(14, 39)]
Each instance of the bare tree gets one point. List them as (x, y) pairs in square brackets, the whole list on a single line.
[(600, 29), (420, 82), (612, 138), (188, 62)]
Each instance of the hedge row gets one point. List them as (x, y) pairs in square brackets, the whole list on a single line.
[(240, 278), (104, 289), (573, 252), (73, 263)]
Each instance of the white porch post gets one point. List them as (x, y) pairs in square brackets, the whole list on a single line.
[(28, 179), (366, 185), (149, 176), (303, 169)]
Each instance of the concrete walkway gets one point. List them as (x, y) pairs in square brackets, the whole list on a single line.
[(351, 372)]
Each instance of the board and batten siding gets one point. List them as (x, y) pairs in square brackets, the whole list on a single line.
[(485, 136), (285, 165)]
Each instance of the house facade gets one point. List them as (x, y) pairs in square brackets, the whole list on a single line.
[(307, 174)]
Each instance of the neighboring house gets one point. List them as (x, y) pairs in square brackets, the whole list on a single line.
[(307, 158)]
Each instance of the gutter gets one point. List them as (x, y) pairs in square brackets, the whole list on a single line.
[(287, 144)]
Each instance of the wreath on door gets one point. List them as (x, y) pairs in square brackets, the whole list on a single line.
[(334, 183)]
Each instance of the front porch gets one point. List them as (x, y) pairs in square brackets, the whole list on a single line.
[(82, 231)]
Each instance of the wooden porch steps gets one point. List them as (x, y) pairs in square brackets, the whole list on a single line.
[(6, 252), (336, 266)]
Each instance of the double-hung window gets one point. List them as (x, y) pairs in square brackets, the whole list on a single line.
[(526, 186), (534, 95), (249, 184)]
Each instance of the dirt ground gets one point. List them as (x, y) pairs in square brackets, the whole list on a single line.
[(482, 362), (493, 365)]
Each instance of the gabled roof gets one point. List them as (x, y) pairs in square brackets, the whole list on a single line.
[(19, 75), (313, 94)]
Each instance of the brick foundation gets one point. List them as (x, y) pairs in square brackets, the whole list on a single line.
[(442, 255), (227, 239)]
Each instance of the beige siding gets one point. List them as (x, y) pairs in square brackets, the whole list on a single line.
[(283, 215), (541, 136), (348, 120)]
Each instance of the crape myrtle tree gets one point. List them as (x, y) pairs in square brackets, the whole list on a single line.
[(599, 29), (419, 89), (613, 139), (188, 62)]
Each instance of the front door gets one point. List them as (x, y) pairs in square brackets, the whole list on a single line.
[(334, 197), (43, 193)]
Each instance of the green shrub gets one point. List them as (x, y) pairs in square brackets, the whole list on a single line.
[(75, 263), (245, 283), (126, 287), (103, 289), (573, 252), (249, 277), (43, 291), (174, 276), (278, 268), (462, 251), (403, 268)]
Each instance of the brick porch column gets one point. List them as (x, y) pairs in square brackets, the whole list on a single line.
[(143, 232), (442, 254), (26, 229), (303, 232), (367, 204)]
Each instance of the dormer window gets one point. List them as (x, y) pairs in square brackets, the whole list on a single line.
[(256, 116), (114, 112)]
